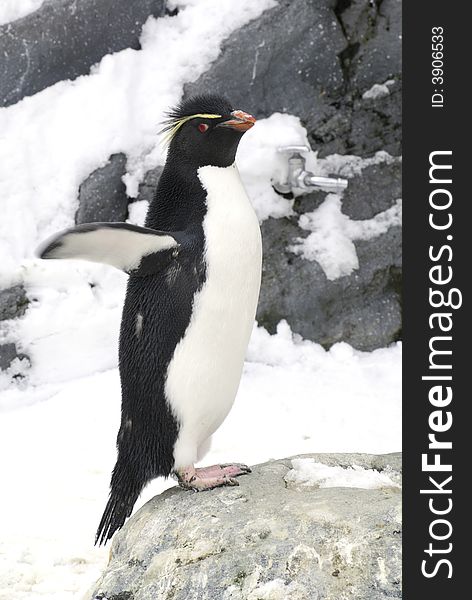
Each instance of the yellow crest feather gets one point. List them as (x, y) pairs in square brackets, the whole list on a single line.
[(173, 125)]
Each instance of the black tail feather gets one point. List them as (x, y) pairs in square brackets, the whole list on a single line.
[(123, 495)]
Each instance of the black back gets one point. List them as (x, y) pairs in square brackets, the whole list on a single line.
[(164, 300)]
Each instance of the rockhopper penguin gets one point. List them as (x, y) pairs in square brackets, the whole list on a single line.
[(195, 271)]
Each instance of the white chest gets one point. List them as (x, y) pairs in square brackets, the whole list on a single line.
[(205, 371), (233, 248)]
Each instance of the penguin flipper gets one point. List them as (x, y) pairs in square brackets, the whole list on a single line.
[(121, 245)]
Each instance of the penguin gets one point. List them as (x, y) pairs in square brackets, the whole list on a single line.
[(194, 278)]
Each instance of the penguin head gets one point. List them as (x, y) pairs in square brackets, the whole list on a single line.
[(205, 131)]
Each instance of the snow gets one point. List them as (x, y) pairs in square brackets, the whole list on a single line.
[(260, 162), (332, 237), (11, 10), (378, 90), (348, 165), (308, 472), (137, 212), (295, 397), (74, 305), (59, 421)]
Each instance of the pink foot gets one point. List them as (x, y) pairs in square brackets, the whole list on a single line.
[(207, 478), (230, 470)]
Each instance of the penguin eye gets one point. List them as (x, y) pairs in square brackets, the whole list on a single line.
[(202, 127)]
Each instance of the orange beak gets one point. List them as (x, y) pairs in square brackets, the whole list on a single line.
[(241, 121)]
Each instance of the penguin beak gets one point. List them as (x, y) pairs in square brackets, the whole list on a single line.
[(241, 121)]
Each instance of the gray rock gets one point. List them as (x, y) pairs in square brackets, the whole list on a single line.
[(102, 196), (13, 302), (315, 60), (8, 353), (284, 61), (63, 39), (266, 539), (362, 127), (373, 32), (147, 188), (373, 191), (364, 308), (372, 56)]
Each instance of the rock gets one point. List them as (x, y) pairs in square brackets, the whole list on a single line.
[(266, 539), (363, 308), (372, 56), (102, 196), (316, 60), (337, 66), (64, 38), (13, 302), (7, 354), (363, 126), (284, 61), (373, 32), (373, 191), (137, 210), (147, 188)]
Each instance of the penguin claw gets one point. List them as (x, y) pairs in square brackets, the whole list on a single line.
[(222, 470), (244, 468)]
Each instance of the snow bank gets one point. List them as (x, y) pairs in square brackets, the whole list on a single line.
[(294, 398), (308, 472)]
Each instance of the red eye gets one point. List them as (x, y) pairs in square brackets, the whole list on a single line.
[(202, 127)]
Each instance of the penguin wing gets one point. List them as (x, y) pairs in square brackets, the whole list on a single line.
[(133, 249)]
